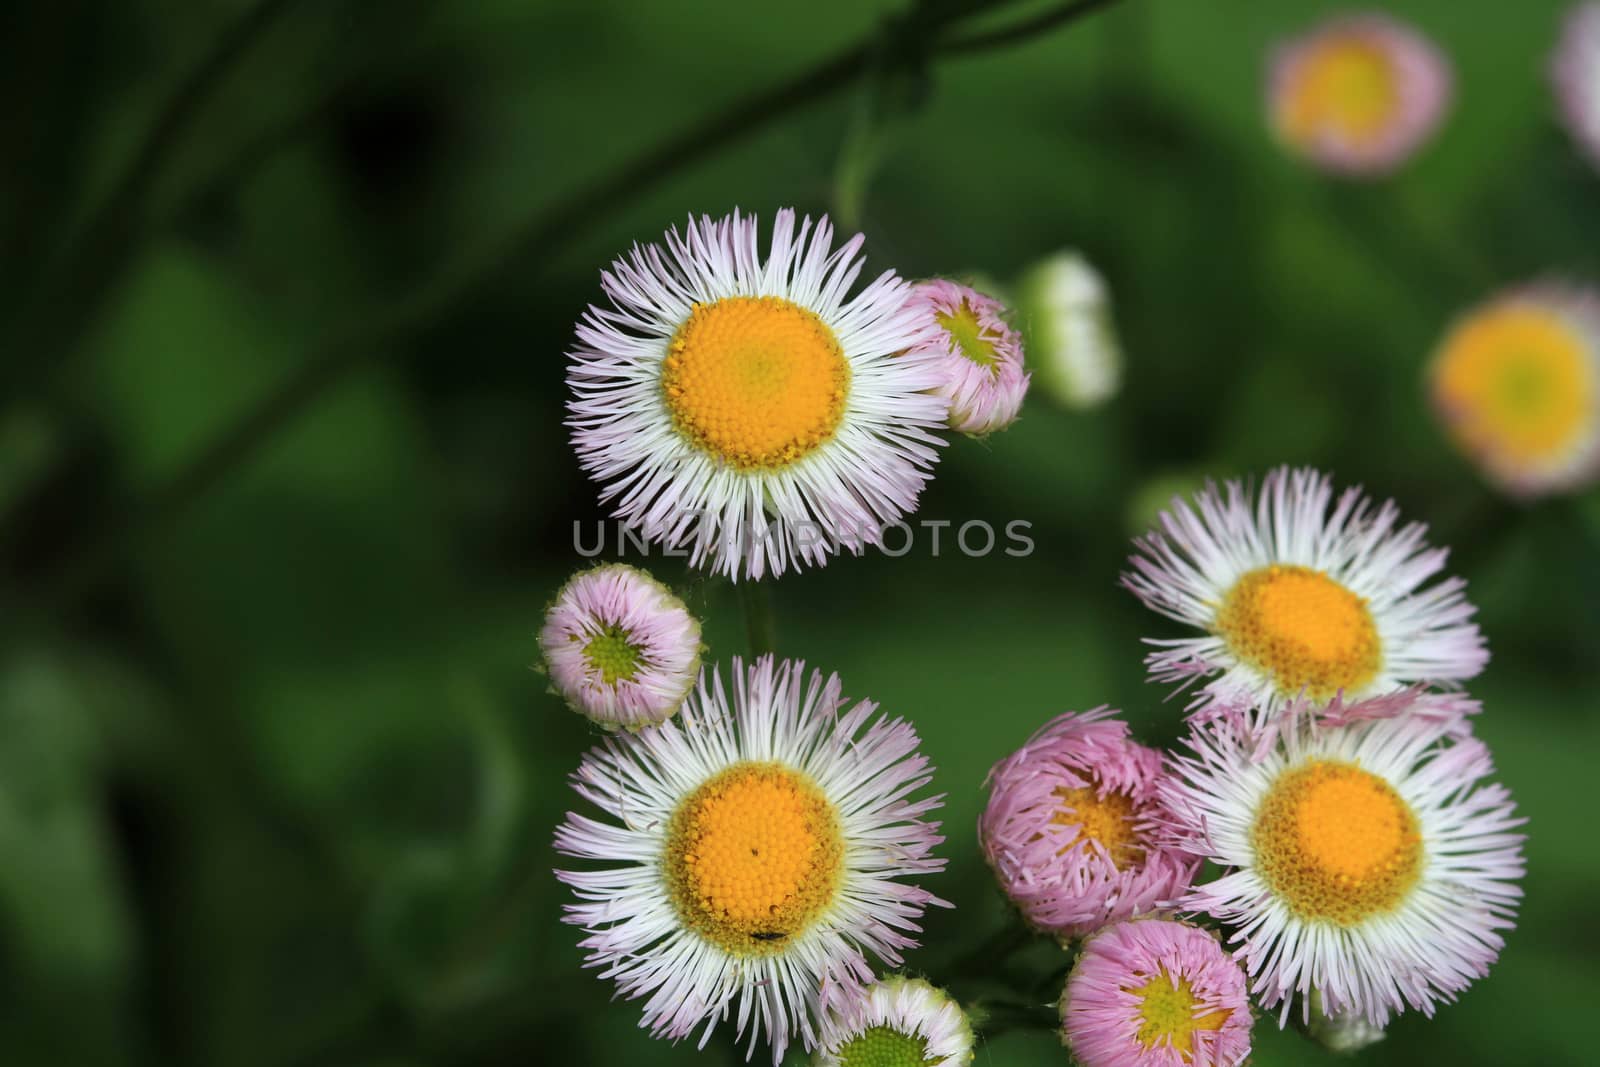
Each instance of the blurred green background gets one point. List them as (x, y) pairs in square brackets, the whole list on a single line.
[(277, 780)]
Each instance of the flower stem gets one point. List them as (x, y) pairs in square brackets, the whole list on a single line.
[(992, 1018), (760, 624)]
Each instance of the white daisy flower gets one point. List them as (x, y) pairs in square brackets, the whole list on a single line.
[(754, 853), (1155, 993), (1575, 70), (1065, 308), (1303, 598), (621, 648), (1363, 863), (900, 1022), (1358, 94), (747, 409), (980, 355), (1342, 1032), (1516, 383)]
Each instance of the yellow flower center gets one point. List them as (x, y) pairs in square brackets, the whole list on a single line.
[(1301, 628), (1107, 819), (1345, 86), (1337, 843), (755, 381), (967, 332), (1167, 1014), (1517, 381), (753, 857)]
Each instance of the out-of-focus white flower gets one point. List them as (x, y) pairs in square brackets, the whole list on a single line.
[(1064, 309)]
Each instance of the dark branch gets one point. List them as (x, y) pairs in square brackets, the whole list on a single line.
[(347, 348), (93, 260), (1044, 22)]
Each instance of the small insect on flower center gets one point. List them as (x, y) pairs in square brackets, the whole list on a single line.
[(1347, 87), (967, 332), (883, 1046), (612, 654), (1303, 629), (755, 381), (1107, 819), (753, 857), (1337, 843), (1170, 1014), (1517, 383)]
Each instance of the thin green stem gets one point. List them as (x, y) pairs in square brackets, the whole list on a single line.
[(991, 1018), (347, 347), (760, 623), (697, 590)]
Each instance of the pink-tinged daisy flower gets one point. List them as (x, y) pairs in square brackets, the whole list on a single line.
[(1517, 385), (979, 355), (1575, 69), (746, 408), (1450, 710), (1068, 827), (1155, 993), (1365, 863), (1357, 94), (753, 850), (900, 1022), (1302, 596), (621, 649)]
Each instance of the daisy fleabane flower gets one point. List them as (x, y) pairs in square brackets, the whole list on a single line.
[(979, 355), (1067, 829), (620, 647), (747, 409), (899, 1022), (1155, 993), (1344, 1032), (1303, 597), (1065, 307), (1517, 385), (752, 850), (1367, 864), (1575, 69), (1357, 94)]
